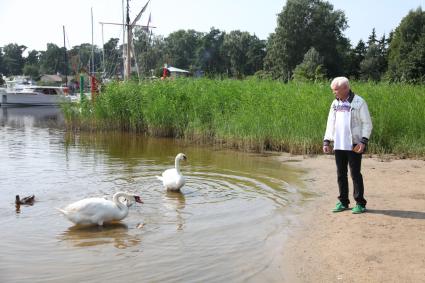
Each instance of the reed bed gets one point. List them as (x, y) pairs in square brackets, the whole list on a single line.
[(253, 114)]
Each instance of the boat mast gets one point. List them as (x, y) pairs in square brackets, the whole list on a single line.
[(92, 43), (126, 49), (123, 41), (66, 58), (103, 55), (129, 39)]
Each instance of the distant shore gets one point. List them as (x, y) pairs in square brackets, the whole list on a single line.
[(385, 244)]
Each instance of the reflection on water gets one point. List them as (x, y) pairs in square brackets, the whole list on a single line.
[(227, 224), (175, 202), (115, 234), (37, 116)]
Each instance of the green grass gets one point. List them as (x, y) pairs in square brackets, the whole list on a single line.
[(254, 114)]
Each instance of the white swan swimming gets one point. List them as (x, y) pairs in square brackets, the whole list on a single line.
[(172, 179), (99, 210)]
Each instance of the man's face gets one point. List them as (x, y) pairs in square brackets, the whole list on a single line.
[(340, 92)]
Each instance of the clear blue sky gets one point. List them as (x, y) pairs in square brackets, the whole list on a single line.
[(35, 23)]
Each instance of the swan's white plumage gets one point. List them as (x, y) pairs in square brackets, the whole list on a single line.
[(172, 179), (99, 210)]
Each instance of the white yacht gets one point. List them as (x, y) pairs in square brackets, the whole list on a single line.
[(36, 95)]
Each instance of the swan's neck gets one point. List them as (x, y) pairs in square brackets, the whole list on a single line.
[(177, 165), (119, 203)]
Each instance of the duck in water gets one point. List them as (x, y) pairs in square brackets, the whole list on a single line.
[(24, 201)]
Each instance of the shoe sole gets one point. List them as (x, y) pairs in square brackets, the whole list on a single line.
[(340, 210)]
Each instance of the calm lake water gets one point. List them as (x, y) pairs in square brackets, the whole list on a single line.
[(228, 224)]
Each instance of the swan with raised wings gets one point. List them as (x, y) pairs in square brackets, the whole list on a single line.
[(100, 210), (172, 179)]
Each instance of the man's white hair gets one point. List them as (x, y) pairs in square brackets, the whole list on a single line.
[(340, 81)]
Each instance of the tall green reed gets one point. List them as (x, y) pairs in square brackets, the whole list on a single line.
[(256, 114)]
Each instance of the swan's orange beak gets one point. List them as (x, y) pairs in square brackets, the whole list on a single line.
[(138, 199)]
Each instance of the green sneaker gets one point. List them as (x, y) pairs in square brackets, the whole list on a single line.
[(358, 209), (339, 207)]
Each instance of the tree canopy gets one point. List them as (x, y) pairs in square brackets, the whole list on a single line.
[(308, 43), (303, 24), (13, 61), (311, 68), (406, 60)]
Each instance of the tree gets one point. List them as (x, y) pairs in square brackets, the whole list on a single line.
[(210, 57), (244, 53), (80, 58), (150, 52), (33, 58), (303, 24), (13, 60), (383, 50), (311, 68), (371, 66), (155, 56), (52, 60), (406, 58), (32, 64), (355, 57), (32, 71), (372, 38), (113, 58), (181, 48), (374, 63), (256, 53)]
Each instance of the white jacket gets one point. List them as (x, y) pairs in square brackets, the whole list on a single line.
[(361, 123)]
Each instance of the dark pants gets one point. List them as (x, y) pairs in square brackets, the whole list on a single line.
[(344, 158)]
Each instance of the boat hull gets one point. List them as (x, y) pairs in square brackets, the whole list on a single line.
[(28, 99)]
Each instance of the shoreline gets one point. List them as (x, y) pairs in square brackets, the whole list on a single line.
[(385, 244)]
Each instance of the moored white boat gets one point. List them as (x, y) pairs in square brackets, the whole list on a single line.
[(37, 95)]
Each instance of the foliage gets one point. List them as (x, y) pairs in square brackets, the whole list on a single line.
[(113, 58), (406, 61), (181, 48), (371, 66), (210, 56), (255, 114), (13, 60), (374, 63), (150, 50), (372, 38), (32, 71), (263, 75), (311, 68), (33, 58), (244, 52), (303, 24), (355, 57), (80, 57), (52, 60)]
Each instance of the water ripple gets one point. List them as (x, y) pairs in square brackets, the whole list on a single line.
[(226, 225)]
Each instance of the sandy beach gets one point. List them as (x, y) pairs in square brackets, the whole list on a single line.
[(385, 244)]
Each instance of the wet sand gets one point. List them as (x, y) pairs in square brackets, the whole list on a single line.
[(385, 244)]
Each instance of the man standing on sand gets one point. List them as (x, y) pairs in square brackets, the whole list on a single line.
[(349, 126)]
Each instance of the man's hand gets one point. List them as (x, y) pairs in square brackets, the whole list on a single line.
[(359, 148), (326, 149)]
